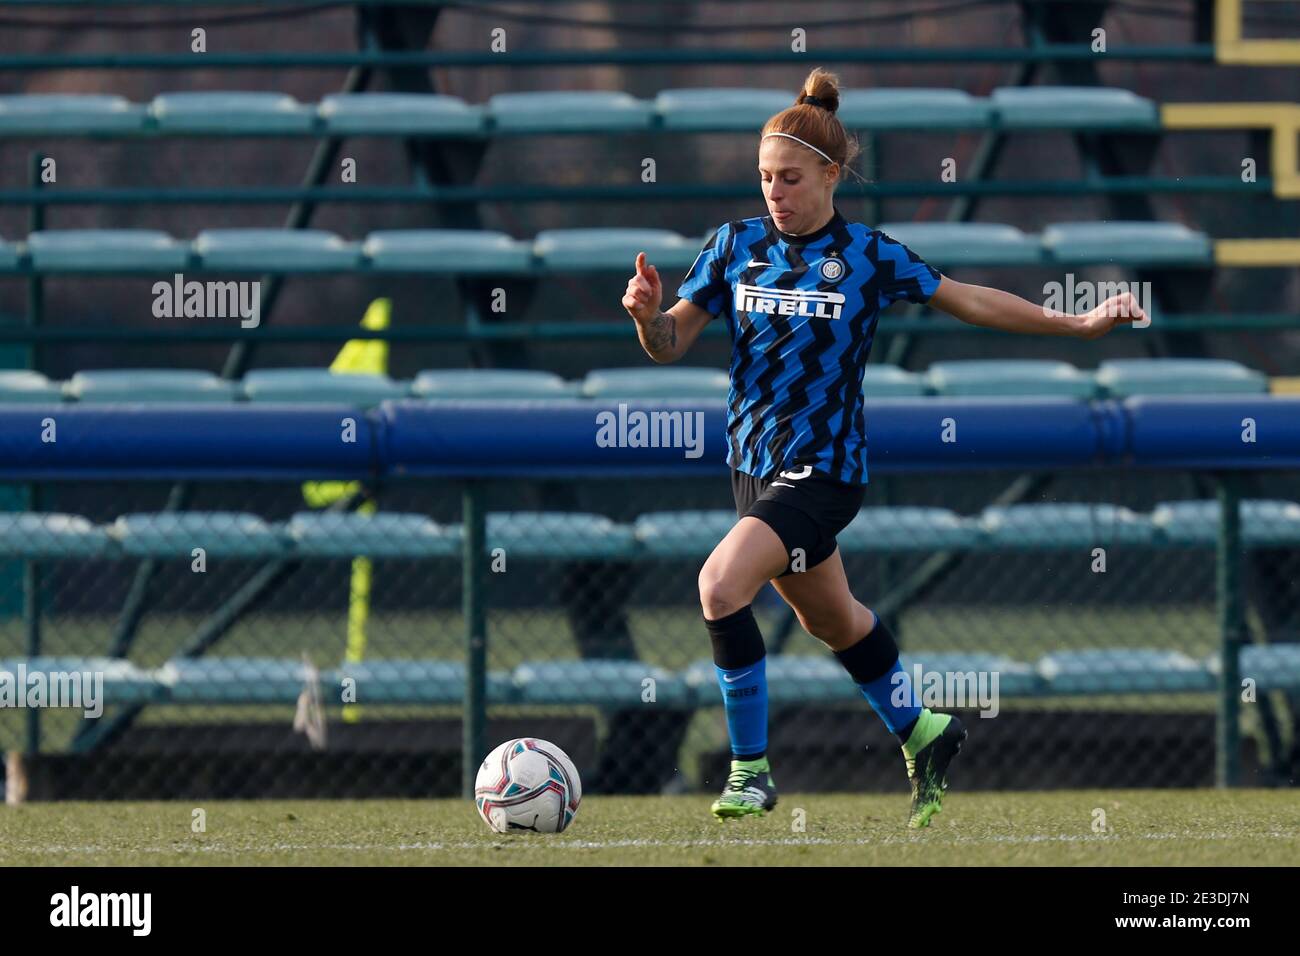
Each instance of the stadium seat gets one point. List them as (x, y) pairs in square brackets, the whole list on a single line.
[(1264, 523), (908, 528), (1080, 525), (459, 251), (10, 256), (682, 534), (568, 111), (966, 243), (791, 679), (174, 534), (490, 383), (234, 680), (1015, 678), (337, 534), (107, 250), (320, 385), (1127, 243), (890, 381), (913, 109), (1123, 671), (399, 114), (719, 108), (564, 250), (556, 534), (124, 682), (1010, 377), (1073, 107), (684, 382), (276, 250), (1270, 666), (410, 682), (28, 388), (73, 114), (599, 683), (148, 385), (1120, 378), (52, 535), (231, 113)]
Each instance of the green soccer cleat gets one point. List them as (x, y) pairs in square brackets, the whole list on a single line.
[(749, 790), (935, 740)]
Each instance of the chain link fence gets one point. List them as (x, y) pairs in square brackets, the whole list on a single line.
[(252, 647)]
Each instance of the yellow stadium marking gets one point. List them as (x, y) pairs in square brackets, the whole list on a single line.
[(1230, 47), (1282, 118), (1257, 252), (1284, 385)]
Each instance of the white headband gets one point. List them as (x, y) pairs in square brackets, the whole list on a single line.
[(809, 145)]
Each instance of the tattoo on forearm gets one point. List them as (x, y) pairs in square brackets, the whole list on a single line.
[(661, 332)]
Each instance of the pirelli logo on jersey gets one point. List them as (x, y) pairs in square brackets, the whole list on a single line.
[(809, 302)]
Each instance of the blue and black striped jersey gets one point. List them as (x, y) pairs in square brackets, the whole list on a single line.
[(802, 312)]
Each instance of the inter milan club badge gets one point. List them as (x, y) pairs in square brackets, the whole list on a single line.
[(832, 269)]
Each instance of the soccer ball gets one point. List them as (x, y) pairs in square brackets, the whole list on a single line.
[(527, 784)]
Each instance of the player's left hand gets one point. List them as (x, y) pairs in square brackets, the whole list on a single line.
[(1114, 311)]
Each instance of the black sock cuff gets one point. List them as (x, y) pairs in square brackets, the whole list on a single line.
[(872, 657), (737, 641)]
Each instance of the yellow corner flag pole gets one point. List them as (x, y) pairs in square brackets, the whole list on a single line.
[(358, 356)]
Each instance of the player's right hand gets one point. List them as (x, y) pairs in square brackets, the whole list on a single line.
[(645, 292)]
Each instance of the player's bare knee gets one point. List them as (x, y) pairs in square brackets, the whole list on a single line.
[(720, 594)]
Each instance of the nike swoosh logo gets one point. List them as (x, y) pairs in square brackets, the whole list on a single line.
[(755, 262), (782, 484), (732, 680)]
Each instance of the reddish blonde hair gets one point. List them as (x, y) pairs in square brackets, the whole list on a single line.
[(816, 123)]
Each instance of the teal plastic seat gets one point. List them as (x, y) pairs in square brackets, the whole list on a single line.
[(410, 682), (674, 382), (555, 534), (123, 682), (490, 383), (106, 250), (890, 381), (384, 534), (1264, 523), (24, 387), (599, 683), (913, 109), (1123, 671), (75, 114), (400, 114), (682, 534), (1010, 377), (149, 385), (10, 256), (232, 113), (569, 111), (1127, 243), (1270, 666), (1073, 107), (276, 250), (30, 534), (1120, 378), (233, 680), (1079, 525), (702, 109), (966, 243), (791, 679), (971, 674), (908, 528), (590, 250), (460, 251), (174, 534), (320, 385)]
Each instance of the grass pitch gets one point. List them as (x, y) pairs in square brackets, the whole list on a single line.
[(1143, 827)]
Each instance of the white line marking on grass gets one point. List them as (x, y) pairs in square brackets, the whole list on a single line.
[(536, 843)]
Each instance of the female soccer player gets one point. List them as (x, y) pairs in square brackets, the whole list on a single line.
[(801, 289)]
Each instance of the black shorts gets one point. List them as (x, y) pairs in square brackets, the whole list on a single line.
[(806, 509)]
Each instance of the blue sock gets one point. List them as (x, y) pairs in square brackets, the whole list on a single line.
[(744, 694), (891, 697)]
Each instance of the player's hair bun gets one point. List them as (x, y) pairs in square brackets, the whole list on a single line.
[(822, 88)]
